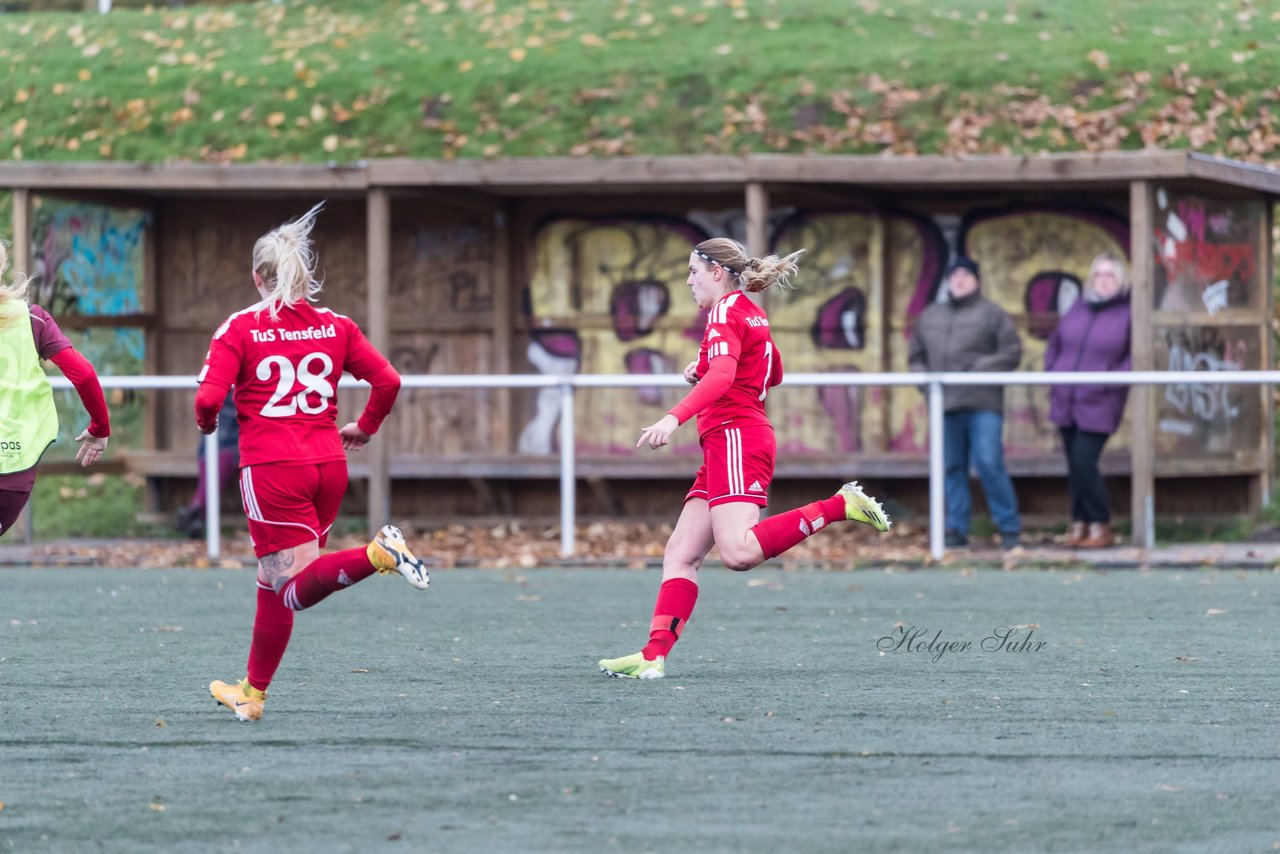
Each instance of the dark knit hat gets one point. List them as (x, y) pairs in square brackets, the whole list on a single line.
[(963, 263)]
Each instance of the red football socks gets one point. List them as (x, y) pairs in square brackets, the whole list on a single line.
[(779, 533), (273, 623), (324, 575), (676, 598), (272, 626)]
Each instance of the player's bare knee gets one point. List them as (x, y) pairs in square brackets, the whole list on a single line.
[(739, 560)]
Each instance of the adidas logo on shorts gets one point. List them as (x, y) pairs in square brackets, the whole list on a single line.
[(755, 487)]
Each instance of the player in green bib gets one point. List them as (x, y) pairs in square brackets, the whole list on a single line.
[(28, 420)]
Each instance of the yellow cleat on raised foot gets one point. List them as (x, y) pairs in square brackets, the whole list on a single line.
[(240, 697), (390, 553), (860, 507)]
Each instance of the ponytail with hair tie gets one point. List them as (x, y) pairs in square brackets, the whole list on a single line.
[(284, 260), (753, 275)]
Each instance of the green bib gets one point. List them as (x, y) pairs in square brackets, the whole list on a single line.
[(28, 419)]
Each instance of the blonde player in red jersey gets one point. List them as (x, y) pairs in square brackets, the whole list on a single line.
[(737, 364), (284, 357)]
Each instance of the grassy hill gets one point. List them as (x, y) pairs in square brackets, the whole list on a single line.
[(487, 78)]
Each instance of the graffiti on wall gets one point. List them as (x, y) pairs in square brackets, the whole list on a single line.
[(454, 262), (1208, 417), (89, 260), (1205, 253), (1206, 261), (825, 325), (605, 297)]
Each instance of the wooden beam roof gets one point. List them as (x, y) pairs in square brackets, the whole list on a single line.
[(178, 178), (559, 175)]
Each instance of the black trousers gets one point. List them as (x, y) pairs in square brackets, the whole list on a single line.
[(1089, 501)]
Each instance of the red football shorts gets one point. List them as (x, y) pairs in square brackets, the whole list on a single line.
[(737, 465), (291, 505)]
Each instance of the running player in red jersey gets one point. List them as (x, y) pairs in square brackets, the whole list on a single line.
[(284, 357), (737, 364), (28, 419)]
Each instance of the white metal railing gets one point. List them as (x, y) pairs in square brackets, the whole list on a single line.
[(932, 383)]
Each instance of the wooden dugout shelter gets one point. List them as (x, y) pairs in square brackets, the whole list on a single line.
[(557, 264)]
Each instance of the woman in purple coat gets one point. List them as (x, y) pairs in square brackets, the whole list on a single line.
[(1092, 336)]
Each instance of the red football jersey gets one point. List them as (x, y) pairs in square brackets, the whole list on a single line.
[(739, 328), (285, 373)]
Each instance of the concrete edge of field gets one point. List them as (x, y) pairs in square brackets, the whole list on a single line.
[(121, 553)]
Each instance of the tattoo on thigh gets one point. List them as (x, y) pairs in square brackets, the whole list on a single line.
[(275, 566)]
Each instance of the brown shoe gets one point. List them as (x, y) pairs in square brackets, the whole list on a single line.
[(1100, 536), (1076, 535)]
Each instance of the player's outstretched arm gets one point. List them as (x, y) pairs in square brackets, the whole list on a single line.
[(93, 440)]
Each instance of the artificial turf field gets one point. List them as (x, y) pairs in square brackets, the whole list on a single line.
[(472, 718)]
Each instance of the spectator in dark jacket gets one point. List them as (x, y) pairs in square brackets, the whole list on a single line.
[(1092, 336), (969, 332)]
